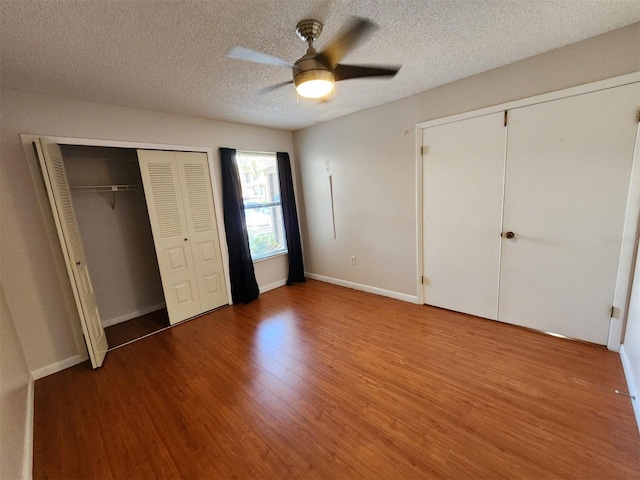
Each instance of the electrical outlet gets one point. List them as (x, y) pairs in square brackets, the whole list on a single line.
[(353, 259)]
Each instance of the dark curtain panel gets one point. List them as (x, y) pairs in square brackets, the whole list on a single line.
[(244, 287), (290, 215)]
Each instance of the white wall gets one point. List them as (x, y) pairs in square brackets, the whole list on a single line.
[(371, 156), (33, 275), (15, 401), (118, 241)]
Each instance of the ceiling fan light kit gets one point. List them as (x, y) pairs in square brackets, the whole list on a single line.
[(315, 74), (314, 83)]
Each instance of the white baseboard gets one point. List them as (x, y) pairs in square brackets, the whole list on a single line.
[(364, 288), (27, 454), (273, 285), (630, 376), (130, 315), (59, 366)]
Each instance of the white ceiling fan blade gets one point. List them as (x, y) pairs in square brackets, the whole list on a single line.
[(241, 53)]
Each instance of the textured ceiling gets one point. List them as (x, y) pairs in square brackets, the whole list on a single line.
[(169, 56)]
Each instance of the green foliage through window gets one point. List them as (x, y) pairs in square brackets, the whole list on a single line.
[(262, 207)]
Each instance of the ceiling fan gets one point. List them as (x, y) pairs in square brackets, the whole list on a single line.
[(315, 74)]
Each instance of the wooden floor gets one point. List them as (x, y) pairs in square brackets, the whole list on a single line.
[(317, 381), (125, 332)]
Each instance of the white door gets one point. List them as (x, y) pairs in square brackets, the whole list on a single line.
[(195, 184), (161, 183), (463, 169), (567, 179), (55, 178), (178, 192)]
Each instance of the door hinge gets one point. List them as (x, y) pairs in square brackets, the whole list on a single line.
[(612, 310), (422, 150), (638, 117), (422, 280), (506, 117)]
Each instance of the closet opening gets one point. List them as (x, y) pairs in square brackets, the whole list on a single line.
[(165, 255), (111, 212)]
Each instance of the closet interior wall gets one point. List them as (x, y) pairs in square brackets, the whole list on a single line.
[(115, 230)]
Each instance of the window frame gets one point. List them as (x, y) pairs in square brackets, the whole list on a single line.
[(255, 258)]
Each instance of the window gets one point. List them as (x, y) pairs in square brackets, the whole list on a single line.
[(262, 208)]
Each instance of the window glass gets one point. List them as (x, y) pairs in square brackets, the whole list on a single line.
[(262, 208)]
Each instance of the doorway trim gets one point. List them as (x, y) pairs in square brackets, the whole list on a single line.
[(628, 249)]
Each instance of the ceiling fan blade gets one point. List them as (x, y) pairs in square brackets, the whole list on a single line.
[(241, 53), (348, 39), (271, 88), (344, 72)]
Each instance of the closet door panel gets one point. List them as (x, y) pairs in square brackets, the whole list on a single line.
[(463, 169), (55, 177), (170, 233), (195, 183), (567, 178)]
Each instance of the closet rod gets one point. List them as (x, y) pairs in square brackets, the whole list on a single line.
[(105, 188)]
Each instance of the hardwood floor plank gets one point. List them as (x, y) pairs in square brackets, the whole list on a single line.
[(130, 330), (317, 381)]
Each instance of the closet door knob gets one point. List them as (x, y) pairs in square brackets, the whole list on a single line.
[(509, 235), (77, 263), (186, 239)]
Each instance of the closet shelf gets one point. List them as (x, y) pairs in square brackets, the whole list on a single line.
[(112, 189), (105, 188)]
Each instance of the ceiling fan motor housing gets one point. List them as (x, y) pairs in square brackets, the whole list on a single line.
[(310, 68)]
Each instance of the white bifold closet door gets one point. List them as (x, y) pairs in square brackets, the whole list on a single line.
[(179, 198), (568, 170), (462, 201), (55, 177), (567, 166)]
